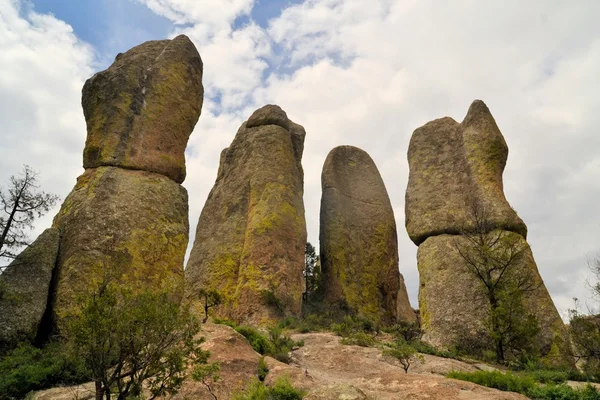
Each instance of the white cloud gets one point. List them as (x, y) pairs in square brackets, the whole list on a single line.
[(42, 69)]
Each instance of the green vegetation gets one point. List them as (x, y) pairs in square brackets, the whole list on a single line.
[(211, 298), (585, 329), (359, 339), (28, 368), (132, 340), (282, 390), (263, 369), (206, 373), (494, 258), (535, 386), (403, 352), (312, 272), (276, 345), (309, 323)]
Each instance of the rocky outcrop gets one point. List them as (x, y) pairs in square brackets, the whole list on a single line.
[(251, 234), (451, 165), (126, 219), (141, 111), (455, 188), (358, 240), (24, 288)]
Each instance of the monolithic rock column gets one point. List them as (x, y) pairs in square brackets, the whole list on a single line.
[(455, 169), (127, 217), (358, 240), (251, 235)]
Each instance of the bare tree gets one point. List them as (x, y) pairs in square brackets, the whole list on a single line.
[(494, 257), (21, 204)]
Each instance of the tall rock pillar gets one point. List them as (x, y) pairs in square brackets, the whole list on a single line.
[(455, 170), (251, 234), (127, 217), (358, 240)]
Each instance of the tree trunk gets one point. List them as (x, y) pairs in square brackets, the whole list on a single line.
[(498, 340), (9, 221), (99, 391)]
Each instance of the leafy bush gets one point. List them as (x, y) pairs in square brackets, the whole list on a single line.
[(132, 339), (277, 345), (309, 323), (495, 379), (359, 339), (282, 390), (259, 343), (353, 324), (28, 368), (548, 376), (526, 385), (409, 331), (263, 369), (403, 352)]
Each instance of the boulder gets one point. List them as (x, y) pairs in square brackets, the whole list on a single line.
[(251, 234), (453, 165), (24, 289), (141, 111), (358, 240), (120, 224), (455, 194)]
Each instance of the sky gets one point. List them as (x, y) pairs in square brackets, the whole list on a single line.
[(352, 72)]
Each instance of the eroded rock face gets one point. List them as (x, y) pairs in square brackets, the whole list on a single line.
[(358, 240), (251, 233), (24, 289), (451, 166), (120, 224), (141, 111), (455, 186)]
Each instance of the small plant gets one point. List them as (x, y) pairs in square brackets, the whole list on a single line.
[(211, 299), (403, 352), (409, 331), (276, 345), (353, 324), (359, 339), (282, 390), (259, 342), (207, 373), (263, 369)]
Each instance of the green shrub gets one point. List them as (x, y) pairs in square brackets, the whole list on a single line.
[(527, 385), (282, 390), (259, 343), (354, 324), (403, 352), (548, 376), (28, 368), (426, 348), (263, 369), (309, 323), (281, 344), (495, 379), (359, 339), (277, 345), (409, 331)]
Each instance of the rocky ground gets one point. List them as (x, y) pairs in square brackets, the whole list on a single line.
[(325, 368)]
